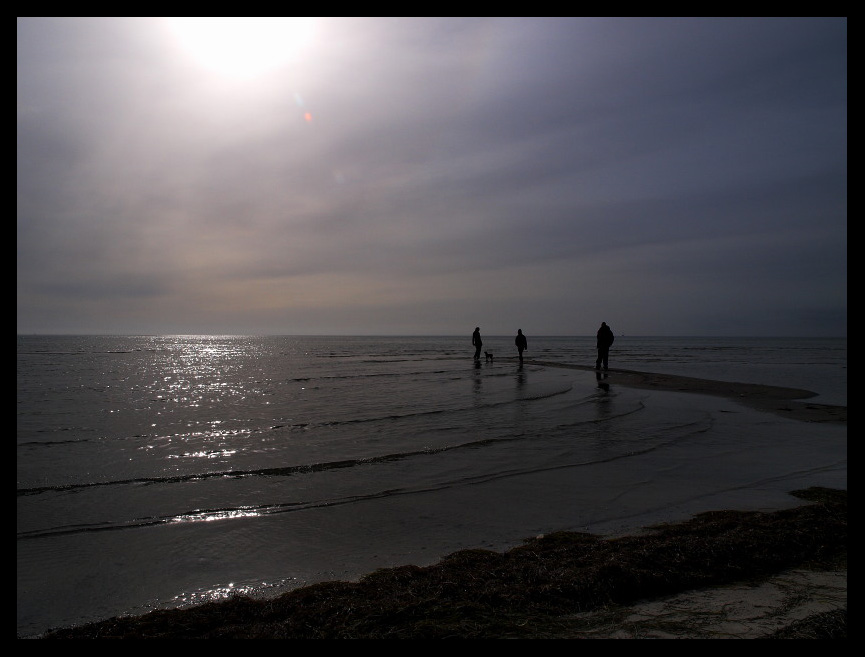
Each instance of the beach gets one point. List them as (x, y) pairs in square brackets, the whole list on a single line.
[(787, 402), (749, 602)]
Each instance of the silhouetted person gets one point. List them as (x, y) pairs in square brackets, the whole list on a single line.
[(521, 342), (477, 342), (605, 341)]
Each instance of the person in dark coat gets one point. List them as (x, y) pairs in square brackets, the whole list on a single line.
[(605, 341), (521, 342), (477, 342)]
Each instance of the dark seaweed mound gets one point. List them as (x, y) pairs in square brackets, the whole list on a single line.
[(532, 590)]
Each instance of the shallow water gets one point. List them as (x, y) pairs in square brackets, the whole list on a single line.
[(156, 471)]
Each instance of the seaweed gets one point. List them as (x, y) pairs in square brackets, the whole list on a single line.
[(531, 591)]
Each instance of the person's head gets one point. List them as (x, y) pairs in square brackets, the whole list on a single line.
[(520, 331), (603, 323), (477, 328)]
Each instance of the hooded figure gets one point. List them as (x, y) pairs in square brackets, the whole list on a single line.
[(605, 341)]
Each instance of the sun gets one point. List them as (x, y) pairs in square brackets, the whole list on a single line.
[(243, 47)]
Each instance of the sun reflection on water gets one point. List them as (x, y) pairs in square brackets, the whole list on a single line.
[(204, 454), (214, 594), (210, 516)]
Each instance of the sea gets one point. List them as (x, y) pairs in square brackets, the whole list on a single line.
[(163, 471)]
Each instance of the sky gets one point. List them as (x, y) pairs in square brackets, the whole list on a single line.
[(423, 176)]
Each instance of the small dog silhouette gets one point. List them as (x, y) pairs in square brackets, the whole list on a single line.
[(489, 356)]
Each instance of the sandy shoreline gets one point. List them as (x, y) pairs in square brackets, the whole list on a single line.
[(787, 402), (721, 574)]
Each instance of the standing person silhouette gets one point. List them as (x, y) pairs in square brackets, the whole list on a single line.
[(521, 342), (605, 341), (477, 342)]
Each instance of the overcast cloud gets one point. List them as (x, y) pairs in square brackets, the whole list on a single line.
[(424, 176)]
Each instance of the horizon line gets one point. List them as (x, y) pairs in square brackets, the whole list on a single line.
[(411, 335)]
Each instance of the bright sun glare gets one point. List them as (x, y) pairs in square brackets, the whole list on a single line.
[(243, 47)]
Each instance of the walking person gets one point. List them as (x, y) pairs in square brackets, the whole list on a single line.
[(605, 341), (477, 342), (521, 342)]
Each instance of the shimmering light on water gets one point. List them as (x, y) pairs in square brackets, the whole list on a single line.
[(215, 515), (161, 469), (215, 594)]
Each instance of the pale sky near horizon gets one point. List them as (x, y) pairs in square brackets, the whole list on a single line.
[(423, 176)]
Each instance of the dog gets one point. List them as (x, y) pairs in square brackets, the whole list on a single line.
[(489, 356)]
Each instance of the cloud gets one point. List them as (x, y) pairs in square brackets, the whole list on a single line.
[(409, 175)]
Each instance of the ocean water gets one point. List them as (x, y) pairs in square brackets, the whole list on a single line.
[(158, 471)]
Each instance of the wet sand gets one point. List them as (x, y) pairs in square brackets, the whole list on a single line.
[(786, 402), (722, 574)]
